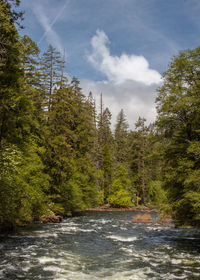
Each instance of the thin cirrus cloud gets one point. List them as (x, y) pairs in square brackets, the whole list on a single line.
[(47, 25), (119, 69)]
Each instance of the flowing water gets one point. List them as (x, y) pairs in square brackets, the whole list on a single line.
[(100, 245)]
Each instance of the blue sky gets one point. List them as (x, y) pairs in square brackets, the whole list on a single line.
[(117, 47)]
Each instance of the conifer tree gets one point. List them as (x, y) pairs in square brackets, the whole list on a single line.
[(30, 61), (22, 178), (141, 159), (122, 192), (179, 126), (51, 72), (105, 149), (121, 138), (13, 102), (15, 16), (103, 124), (107, 171), (70, 148)]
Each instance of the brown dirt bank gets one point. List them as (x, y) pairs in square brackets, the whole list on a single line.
[(130, 209)]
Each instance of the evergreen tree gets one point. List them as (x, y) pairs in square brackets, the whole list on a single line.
[(22, 179), (145, 163), (141, 157), (57, 154), (179, 126), (104, 149), (121, 138), (70, 141), (51, 72), (30, 61), (122, 193), (104, 131), (92, 109), (15, 16), (107, 171), (13, 102)]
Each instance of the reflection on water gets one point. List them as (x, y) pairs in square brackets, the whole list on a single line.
[(100, 245)]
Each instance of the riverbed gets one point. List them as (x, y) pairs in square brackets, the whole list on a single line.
[(100, 245)]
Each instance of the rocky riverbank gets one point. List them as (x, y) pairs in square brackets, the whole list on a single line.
[(135, 209)]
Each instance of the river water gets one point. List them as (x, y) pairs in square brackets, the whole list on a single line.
[(100, 245)]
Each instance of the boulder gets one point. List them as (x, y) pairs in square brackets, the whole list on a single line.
[(164, 220), (50, 219), (142, 218)]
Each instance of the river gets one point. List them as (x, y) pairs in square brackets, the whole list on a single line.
[(100, 245)]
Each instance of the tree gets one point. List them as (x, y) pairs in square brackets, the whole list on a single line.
[(92, 109), (13, 101), (23, 185), (30, 61), (69, 151), (51, 72), (179, 127), (13, 14), (121, 138), (107, 171), (122, 192), (23, 181), (104, 131), (105, 149), (142, 133)]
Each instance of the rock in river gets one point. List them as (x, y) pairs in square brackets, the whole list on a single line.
[(142, 218), (50, 219)]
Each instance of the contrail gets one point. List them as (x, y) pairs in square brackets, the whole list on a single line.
[(53, 22)]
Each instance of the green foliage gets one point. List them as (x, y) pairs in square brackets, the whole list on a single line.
[(13, 102), (30, 61), (120, 198), (122, 191), (54, 155), (104, 132), (51, 66), (144, 158), (107, 170), (179, 123), (10, 158), (33, 180), (23, 180), (23, 185), (57, 156), (121, 138), (70, 142), (156, 194), (14, 16)]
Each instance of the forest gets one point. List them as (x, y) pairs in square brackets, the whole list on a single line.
[(58, 153)]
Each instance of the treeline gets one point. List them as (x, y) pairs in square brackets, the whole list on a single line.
[(59, 155)]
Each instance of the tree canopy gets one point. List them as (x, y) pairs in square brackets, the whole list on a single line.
[(59, 154), (178, 105)]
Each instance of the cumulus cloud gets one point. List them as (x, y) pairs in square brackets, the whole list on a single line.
[(135, 98), (130, 84), (119, 69)]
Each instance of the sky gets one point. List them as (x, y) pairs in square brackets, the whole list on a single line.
[(119, 48)]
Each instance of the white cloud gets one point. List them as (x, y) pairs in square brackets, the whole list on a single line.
[(130, 84), (135, 98), (119, 69)]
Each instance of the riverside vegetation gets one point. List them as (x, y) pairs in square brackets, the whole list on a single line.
[(58, 153)]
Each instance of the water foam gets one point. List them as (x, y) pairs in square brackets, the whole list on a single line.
[(123, 238), (114, 251)]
